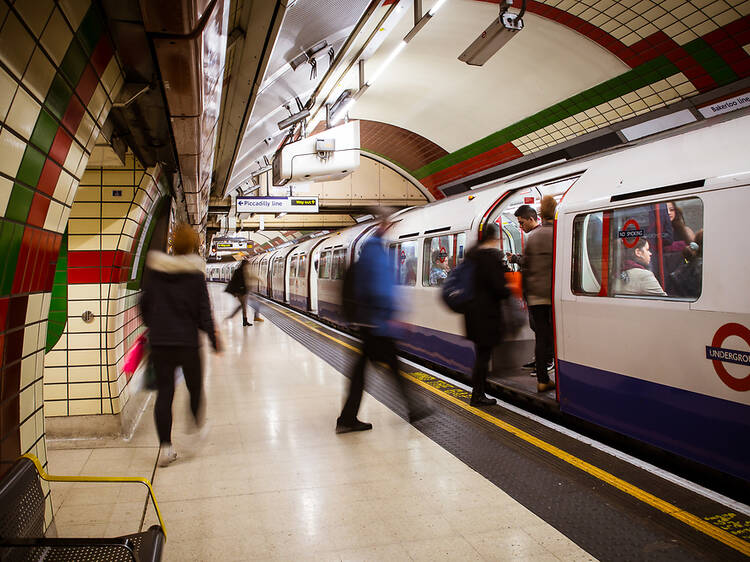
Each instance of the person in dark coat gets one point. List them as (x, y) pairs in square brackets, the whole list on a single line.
[(238, 289), (375, 320), (484, 322), (175, 306)]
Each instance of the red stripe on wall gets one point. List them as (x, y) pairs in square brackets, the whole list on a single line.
[(94, 266), (498, 155)]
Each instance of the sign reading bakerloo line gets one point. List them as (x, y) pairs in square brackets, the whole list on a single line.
[(277, 204)]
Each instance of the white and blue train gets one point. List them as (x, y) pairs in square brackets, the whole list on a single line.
[(669, 367)]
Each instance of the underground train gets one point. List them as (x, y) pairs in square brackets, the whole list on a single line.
[(667, 364)]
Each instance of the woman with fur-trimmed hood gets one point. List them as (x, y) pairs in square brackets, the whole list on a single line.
[(175, 306)]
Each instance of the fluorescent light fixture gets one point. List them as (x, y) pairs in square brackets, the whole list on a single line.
[(663, 123), (436, 7), (386, 62)]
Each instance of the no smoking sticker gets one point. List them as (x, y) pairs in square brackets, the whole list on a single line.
[(720, 355), (630, 234)]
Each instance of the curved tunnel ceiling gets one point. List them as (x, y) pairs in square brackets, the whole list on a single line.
[(577, 67)]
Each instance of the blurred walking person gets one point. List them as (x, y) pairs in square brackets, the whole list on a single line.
[(175, 305), (373, 313), (238, 288), (484, 321)]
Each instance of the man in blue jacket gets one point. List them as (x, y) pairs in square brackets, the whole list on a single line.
[(375, 295)]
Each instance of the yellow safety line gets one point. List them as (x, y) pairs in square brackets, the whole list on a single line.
[(126, 479), (672, 510)]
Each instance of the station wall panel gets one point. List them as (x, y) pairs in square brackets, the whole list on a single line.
[(58, 80), (108, 222)]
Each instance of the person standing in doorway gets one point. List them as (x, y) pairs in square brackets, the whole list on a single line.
[(536, 271), (175, 306), (484, 322), (374, 316)]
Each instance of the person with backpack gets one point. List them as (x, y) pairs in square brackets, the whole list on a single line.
[(237, 287), (483, 313), (369, 302)]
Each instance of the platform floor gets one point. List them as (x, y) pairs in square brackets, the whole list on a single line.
[(273, 481)]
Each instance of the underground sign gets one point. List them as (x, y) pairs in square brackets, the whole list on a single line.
[(720, 355)]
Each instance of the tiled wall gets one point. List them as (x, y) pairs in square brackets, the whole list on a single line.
[(58, 77), (109, 227), (675, 48)]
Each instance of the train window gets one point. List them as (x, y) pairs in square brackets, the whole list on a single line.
[(325, 265), (338, 265), (406, 262), (293, 267), (302, 266), (647, 251), (441, 254)]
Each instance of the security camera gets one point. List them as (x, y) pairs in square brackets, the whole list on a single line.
[(492, 39)]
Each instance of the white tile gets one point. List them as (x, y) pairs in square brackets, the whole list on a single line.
[(6, 187), (8, 86), (11, 152)]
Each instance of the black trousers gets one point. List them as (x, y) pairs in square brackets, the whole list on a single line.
[(544, 348), (242, 307), (374, 348), (166, 359), (481, 368)]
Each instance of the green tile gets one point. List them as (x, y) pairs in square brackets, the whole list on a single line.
[(58, 96), (73, 63), (19, 203), (44, 131), (10, 253), (91, 29), (704, 55), (31, 166)]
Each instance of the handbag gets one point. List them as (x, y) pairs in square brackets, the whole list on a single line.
[(514, 315)]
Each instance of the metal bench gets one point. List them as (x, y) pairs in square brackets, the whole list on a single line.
[(22, 522)]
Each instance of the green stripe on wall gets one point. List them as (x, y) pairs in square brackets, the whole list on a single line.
[(704, 55), (58, 308), (647, 73)]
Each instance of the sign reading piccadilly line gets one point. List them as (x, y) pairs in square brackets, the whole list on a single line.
[(720, 355), (277, 204)]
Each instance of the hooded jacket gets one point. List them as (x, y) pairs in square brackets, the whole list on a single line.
[(484, 320), (174, 301)]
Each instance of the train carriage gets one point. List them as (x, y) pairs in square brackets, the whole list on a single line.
[(661, 362)]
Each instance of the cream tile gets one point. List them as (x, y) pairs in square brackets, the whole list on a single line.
[(11, 152), (8, 87), (57, 36), (16, 45), (35, 14)]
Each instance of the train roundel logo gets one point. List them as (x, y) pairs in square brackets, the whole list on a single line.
[(442, 254), (720, 355), (631, 233)]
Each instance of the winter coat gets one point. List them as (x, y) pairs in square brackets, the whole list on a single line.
[(375, 288), (174, 301), (236, 286), (685, 281), (484, 321), (637, 280), (537, 265)]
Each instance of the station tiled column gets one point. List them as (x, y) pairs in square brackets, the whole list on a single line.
[(58, 79), (110, 226)]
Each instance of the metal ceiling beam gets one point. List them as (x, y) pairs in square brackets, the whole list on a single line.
[(261, 22)]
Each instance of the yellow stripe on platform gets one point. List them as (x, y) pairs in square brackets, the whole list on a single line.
[(672, 510)]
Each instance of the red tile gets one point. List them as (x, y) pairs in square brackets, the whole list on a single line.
[(73, 115), (84, 258), (102, 54), (17, 312), (4, 303), (87, 84), (23, 255), (50, 175), (60, 147), (38, 211), (85, 275)]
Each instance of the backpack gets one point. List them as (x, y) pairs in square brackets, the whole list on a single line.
[(458, 287), (348, 294), (236, 285)]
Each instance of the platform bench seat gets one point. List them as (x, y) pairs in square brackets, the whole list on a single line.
[(22, 527)]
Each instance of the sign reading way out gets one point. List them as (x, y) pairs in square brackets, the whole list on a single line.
[(277, 205)]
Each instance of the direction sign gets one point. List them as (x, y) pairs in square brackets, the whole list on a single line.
[(277, 205)]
